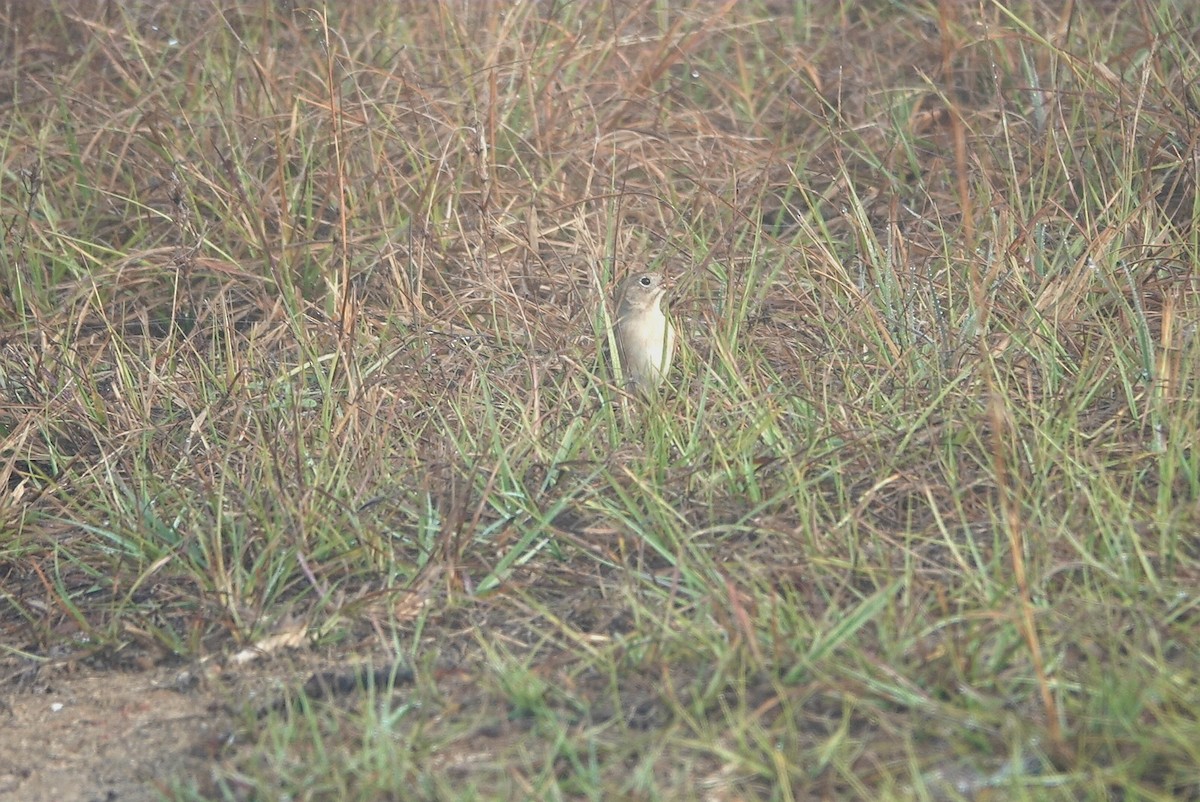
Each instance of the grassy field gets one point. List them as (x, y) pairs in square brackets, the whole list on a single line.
[(303, 355)]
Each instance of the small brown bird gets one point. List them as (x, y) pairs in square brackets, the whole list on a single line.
[(644, 334)]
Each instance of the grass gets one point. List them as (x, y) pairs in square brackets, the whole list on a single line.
[(304, 321)]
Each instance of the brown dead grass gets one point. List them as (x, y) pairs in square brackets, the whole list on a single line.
[(305, 320)]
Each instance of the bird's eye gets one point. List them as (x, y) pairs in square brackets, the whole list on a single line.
[(644, 281)]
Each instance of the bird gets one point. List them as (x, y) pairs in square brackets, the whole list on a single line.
[(644, 334)]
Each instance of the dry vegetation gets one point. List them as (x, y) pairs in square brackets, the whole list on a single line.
[(303, 330)]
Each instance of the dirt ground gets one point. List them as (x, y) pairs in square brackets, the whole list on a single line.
[(103, 736), (72, 733)]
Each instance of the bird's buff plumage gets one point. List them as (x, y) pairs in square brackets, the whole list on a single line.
[(644, 334)]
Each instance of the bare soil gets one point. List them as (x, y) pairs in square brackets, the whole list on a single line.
[(87, 735)]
